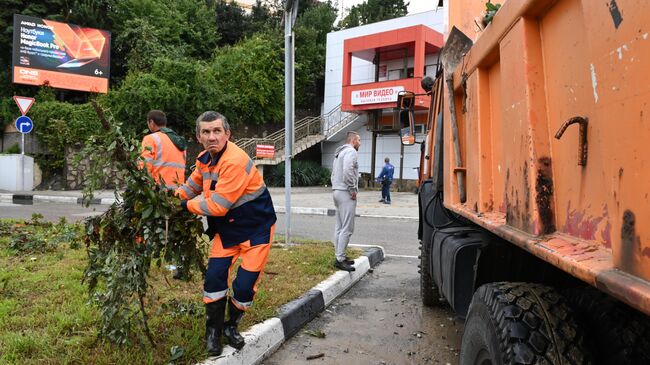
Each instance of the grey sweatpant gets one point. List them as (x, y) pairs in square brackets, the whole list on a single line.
[(345, 211)]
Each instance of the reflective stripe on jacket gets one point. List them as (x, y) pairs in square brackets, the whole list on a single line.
[(231, 192), (164, 161)]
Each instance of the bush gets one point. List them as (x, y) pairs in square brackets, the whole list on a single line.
[(303, 173), (60, 124)]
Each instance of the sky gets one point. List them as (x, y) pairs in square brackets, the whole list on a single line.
[(415, 6)]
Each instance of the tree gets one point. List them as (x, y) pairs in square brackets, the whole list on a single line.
[(148, 29), (311, 31), (182, 87), (262, 18), (251, 73), (373, 11), (233, 23)]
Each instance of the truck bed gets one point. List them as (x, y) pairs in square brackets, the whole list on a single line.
[(539, 64)]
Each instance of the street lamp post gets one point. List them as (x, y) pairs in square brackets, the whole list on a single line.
[(290, 12)]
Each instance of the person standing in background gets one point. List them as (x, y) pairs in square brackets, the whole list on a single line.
[(345, 186), (386, 179), (163, 152)]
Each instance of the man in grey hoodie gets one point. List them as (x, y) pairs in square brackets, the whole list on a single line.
[(345, 184)]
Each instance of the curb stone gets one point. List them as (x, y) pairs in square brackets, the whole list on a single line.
[(263, 339), (26, 199)]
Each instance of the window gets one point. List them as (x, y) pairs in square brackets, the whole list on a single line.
[(395, 74), (430, 70), (419, 129)]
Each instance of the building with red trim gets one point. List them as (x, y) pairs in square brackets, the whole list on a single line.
[(366, 68)]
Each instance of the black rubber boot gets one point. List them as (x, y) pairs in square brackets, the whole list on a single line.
[(230, 330), (214, 313)]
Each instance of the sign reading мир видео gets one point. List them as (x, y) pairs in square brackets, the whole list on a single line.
[(60, 55), (375, 96)]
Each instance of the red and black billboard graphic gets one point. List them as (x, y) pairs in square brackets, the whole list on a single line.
[(61, 55)]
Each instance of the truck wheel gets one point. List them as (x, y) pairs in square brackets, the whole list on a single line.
[(521, 323), (428, 290), (617, 333)]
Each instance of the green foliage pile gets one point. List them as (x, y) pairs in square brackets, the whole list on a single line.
[(303, 173), (38, 236), (146, 226)]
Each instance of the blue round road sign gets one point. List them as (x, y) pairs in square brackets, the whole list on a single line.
[(24, 124)]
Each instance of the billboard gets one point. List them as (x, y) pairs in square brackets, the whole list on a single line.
[(61, 55)]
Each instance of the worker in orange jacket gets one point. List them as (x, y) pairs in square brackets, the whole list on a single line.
[(163, 151), (227, 188)]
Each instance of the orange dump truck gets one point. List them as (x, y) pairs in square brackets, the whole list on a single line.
[(535, 181)]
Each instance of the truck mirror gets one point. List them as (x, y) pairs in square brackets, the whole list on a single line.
[(407, 130), (406, 117)]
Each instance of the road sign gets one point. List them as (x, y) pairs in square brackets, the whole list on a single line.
[(24, 103), (264, 151), (24, 124)]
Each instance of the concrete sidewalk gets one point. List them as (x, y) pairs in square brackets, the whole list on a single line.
[(263, 339), (304, 200)]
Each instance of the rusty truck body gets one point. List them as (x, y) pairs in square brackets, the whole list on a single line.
[(535, 194)]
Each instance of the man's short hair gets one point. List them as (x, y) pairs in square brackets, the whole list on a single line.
[(350, 136), (387, 160), (159, 118), (211, 116)]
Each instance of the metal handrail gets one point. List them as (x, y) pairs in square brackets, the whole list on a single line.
[(304, 128), (308, 126), (333, 129)]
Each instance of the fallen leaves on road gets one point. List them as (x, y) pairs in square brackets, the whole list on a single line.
[(318, 334)]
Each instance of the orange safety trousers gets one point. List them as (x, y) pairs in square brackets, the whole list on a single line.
[(221, 262)]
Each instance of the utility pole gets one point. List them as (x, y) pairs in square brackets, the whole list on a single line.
[(290, 12)]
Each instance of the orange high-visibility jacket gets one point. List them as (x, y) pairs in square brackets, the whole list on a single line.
[(231, 192), (164, 161)]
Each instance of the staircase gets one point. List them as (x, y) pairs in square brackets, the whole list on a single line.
[(307, 132)]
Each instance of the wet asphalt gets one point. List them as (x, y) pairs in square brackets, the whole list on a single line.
[(378, 321)]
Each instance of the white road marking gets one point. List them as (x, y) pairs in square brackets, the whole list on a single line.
[(402, 256), (89, 214)]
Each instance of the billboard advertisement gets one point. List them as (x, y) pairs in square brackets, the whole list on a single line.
[(61, 55)]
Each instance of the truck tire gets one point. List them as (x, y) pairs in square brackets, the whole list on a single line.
[(428, 290), (521, 323), (617, 333)]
